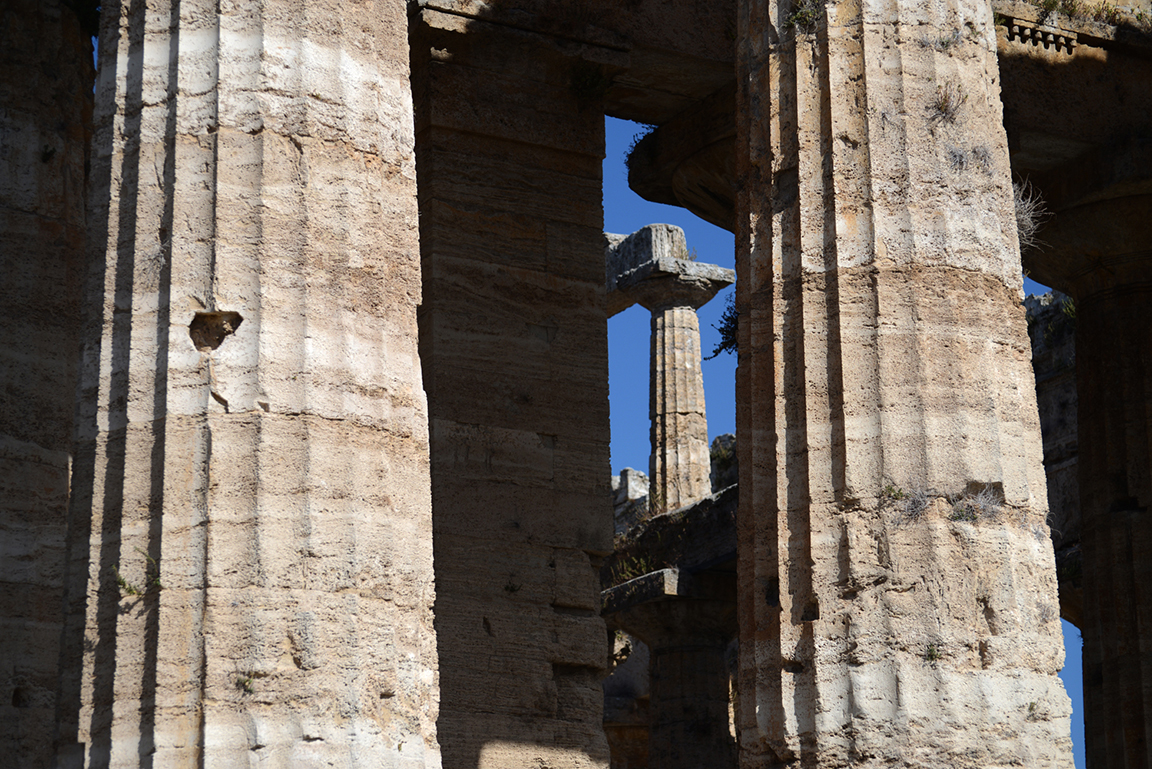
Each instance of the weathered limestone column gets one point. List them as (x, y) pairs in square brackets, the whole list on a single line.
[(897, 586), (250, 567), (515, 354), (650, 267), (45, 113), (688, 623), (679, 465)]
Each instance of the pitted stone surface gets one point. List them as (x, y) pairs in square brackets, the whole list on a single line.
[(884, 374), (251, 556)]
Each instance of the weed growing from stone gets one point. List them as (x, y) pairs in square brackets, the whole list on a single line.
[(894, 493), (151, 576), (728, 328), (1031, 214), (945, 106), (942, 43), (1102, 12), (245, 683), (632, 567), (915, 504), (958, 159), (512, 587), (933, 654), (970, 508), (805, 16), (640, 145)]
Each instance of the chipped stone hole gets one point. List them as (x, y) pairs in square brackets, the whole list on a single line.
[(209, 329)]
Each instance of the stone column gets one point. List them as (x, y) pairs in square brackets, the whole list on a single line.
[(650, 267), (897, 584), (515, 355), (250, 573), (688, 623), (45, 123), (679, 466)]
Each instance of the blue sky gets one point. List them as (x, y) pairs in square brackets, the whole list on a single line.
[(628, 351)]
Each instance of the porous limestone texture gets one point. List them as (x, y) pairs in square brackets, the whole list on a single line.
[(250, 559), (897, 585), (515, 355), (45, 113), (679, 465)]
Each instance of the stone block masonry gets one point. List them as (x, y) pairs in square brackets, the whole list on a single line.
[(884, 389), (250, 560)]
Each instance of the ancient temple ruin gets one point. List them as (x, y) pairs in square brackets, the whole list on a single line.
[(305, 430)]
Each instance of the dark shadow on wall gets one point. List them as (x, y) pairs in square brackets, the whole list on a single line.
[(513, 346)]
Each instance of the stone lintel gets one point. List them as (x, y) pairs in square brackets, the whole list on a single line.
[(667, 585), (529, 21)]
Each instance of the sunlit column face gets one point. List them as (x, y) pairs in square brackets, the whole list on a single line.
[(889, 397)]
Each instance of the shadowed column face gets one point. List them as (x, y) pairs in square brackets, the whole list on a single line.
[(1114, 378), (897, 585), (250, 575), (45, 114), (515, 356)]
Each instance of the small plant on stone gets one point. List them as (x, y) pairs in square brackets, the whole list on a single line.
[(805, 16), (126, 587), (632, 567), (945, 106), (982, 158), (958, 159), (915, 504), (1031, 214), (245, 682), (151, 576), (970, 508), (893, 492), (1033, 712), (728, 328), (942, 43), (933, 654), (512, 587)]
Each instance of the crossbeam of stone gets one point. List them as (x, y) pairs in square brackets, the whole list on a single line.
[(651, 267)]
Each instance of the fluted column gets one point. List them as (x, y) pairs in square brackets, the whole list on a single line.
[(651, 267), (251, 566), (45, 112), (897, 585), (679, 466)]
